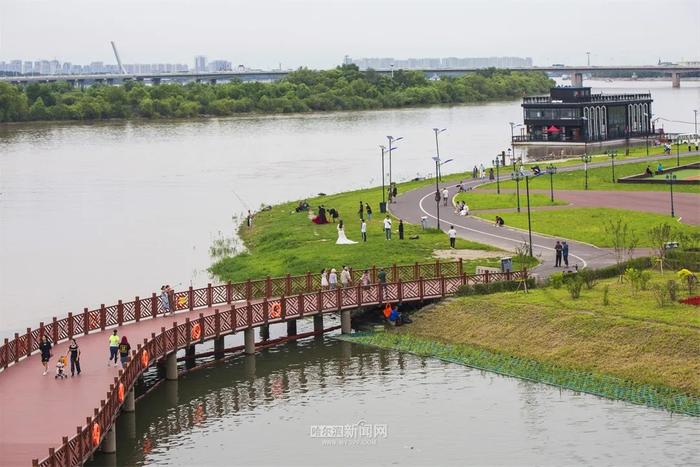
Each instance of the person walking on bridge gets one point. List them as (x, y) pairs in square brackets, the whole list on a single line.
[(124, 348), (164, 303), (113, 348), (45, 347), (74, 352)]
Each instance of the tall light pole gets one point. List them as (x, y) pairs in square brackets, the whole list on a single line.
[(646, 133), (529, 223), (696, 121), (496, 162), (678, 151), (585, 134), (516, 176), (551, 170), (513, 125), (437, 147), (670, 178), (612, 155), (391, 141), (586, 159), (437, 190), (382, 208)]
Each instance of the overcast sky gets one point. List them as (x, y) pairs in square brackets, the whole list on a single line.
[(318, 33)]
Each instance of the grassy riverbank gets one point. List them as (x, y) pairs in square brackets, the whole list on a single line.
[(282, 241), (629, 349)]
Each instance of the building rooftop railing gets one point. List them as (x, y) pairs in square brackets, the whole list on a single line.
[(594, 98)]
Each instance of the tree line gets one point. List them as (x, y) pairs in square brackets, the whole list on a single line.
[(343, 88)]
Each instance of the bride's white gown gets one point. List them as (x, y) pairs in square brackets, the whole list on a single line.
[(342, 239)]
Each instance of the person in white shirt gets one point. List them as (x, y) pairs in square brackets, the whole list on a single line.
[(387, 228), (333, 279), (452, 233), (445, 195), (363, 230), (345, 278)]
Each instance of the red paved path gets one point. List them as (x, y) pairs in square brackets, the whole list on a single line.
[(687, 205), (36, 410)]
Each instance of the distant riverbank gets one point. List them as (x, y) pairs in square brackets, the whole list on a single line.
[(344, 88)]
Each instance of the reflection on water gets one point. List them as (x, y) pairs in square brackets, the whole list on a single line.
[(261, 410)]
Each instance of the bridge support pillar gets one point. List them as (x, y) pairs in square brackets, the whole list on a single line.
[(129, 402), (109, 443), (171, 366), (265, 332), (219, 347), (676, 80), (318, 323), (189, 354), (292, 327), (577, 79), (249, 338), (171, 393), (345, 327)]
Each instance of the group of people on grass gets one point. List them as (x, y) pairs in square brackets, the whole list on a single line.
[(119, 347)]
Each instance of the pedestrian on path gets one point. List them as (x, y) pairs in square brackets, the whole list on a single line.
[(124, 348), (361, 211), (445, 195), (381, 277), (387, 228), (400, 229), (364, 280), (389, 192), (565, 253), (452, 233), (482, 172), (333, 279), (363, 230), (324, 279), (113, 348), (475, 172), (491, 177), (164, 302), (368, 208), (171, 298), (45, 347), (557, 259), (74, 352), (394, 192), (345, 278)]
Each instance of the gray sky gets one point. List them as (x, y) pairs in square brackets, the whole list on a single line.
[(317, 33)]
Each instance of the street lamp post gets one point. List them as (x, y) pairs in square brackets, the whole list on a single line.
[(437, 148), (670, 178), (437, 190), (529, 223), (496, 162), (516, 176), (612, 155), (696, 121), (678, 151), (551, 170), (586, 159), (392, 140), (383, 148)]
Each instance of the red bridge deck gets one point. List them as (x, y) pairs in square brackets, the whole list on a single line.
[(40, 416)]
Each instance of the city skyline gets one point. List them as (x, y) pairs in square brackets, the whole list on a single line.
[(269, 33)]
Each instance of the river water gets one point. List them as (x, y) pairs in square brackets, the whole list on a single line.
[(91, 213)]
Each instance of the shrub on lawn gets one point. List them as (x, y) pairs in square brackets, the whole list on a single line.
[(492, 287), (574, 283)]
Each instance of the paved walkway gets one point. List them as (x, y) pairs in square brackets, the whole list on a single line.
[(686, 205), (413, 205), (36, 410)]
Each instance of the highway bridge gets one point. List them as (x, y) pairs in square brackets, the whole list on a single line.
[(576, 73)]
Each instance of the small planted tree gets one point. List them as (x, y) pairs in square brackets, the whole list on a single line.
[(688, 278), (623, 240), (660, 236)]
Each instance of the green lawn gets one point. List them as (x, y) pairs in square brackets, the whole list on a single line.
[(480, 201), (601, 179), (588, 224), (682, 174), (283, 241), (632, 337)]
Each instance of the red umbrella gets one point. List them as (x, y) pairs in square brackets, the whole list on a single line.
[(553, 129)]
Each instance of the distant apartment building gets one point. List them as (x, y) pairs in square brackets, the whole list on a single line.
[(200, 63), (219, 65), (440, 63)]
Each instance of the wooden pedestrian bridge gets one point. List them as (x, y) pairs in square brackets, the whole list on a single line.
[(52, 422)]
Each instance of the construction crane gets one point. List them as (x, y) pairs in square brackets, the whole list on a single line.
[(119, 61)]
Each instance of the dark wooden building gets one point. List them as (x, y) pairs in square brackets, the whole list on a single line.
[(574, 114)]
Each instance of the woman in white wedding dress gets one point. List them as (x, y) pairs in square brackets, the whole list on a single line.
[(342, 239)]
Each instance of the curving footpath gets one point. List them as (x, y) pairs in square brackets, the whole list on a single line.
[(414, 204)]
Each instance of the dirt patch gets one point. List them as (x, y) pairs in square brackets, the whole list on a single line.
[(468, 254)]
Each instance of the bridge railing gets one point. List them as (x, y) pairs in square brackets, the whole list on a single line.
[(99, 319), (76, 449)]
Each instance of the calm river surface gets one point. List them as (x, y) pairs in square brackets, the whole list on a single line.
[(90, 213)]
